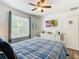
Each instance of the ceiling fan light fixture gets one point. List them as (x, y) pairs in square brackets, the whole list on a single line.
[(40, 5), (39, 8)]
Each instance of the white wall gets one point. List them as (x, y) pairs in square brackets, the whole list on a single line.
[(54, 30), (60, 17), (71, 31), (4, 14)]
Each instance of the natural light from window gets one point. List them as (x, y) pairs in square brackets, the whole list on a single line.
[(19, 27)]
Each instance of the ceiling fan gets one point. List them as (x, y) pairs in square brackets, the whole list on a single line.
[(40, 5)]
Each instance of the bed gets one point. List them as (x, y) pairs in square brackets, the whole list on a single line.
[(38, 48)]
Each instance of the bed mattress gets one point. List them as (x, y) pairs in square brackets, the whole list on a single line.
[(38, 48)]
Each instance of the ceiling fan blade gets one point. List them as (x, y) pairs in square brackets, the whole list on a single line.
[(32, 4), (47, 6), (42, 1), (34, 9), (42, 10)]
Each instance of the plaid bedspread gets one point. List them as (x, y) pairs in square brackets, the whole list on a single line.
[(37, 48)]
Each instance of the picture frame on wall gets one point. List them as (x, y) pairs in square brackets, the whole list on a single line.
[(51, 23)]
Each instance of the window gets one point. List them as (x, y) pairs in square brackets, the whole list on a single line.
[(19, 27)]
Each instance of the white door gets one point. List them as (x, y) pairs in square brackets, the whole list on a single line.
[(71, 32)]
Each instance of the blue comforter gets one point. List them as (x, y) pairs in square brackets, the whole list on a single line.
[(37, 48)]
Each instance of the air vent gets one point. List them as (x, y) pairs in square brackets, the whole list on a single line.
[(75, 8)]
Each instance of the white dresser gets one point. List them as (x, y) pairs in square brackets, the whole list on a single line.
[(54, 37)]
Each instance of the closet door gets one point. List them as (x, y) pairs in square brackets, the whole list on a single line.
[(71, 32)]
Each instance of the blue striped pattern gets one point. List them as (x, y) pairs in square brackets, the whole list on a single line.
[(37, 48)]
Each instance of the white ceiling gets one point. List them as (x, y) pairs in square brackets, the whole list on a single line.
[(58, 6)]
